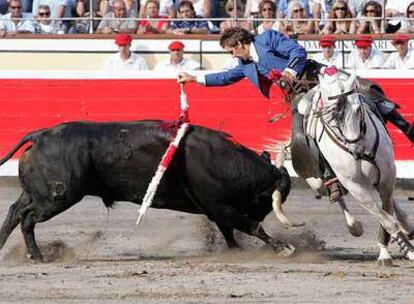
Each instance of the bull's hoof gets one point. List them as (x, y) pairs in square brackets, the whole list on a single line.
[(36, 258), (284, 249), (356, 229), (385, 263)]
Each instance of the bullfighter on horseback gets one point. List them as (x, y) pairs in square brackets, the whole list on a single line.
[(272, 57)]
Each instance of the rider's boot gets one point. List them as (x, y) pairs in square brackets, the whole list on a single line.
[(397, 120), (334, 189)]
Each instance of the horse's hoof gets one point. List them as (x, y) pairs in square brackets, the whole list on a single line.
[(285, 249), (411, 235), (356, 229), (385, 263)]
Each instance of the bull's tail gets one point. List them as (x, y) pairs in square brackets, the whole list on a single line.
[(27, 138)]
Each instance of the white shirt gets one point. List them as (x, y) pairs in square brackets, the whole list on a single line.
[(184, 65), (375, 60), (335, 60), (398, 5), (394, 61), (133, 63), (260, 29), (24, 25)]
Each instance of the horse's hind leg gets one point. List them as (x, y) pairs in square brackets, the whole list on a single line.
[(406, 226), (13, 217)]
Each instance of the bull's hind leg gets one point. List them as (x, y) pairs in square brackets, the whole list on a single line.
[(13, 218), (36, 213)]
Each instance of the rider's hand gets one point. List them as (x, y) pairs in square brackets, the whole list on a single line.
[(184, 78), (288, 78)]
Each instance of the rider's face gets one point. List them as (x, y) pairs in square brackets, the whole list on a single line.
[(241, 51)]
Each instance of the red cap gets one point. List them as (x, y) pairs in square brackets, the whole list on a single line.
[(363, 42), (327, 41), (401, 38), (123, 39), (176, 46)]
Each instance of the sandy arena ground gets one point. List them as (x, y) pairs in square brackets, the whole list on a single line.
[(97, 255)]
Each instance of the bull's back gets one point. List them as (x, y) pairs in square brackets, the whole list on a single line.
[(117, 160)]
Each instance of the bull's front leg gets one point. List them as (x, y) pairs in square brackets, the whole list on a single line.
[(280, 247)]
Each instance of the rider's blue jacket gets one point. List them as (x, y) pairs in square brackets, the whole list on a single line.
[(274, 50)]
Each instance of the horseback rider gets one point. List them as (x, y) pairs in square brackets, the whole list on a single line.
[(272, 56)]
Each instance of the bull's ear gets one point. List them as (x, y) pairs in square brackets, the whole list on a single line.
[(266, 156)]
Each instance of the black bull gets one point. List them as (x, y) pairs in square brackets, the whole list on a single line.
[(210, 174)]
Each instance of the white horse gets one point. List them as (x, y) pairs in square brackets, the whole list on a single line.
[(358, 148)]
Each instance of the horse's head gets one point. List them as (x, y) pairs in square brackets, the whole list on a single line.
[(334, 89)]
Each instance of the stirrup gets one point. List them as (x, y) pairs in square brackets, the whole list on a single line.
[(334, 190)]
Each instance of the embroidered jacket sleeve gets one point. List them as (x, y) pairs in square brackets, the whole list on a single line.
[(224, 78), (287, 47)]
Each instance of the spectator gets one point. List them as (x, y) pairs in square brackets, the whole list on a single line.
[(267, 10), (408, 25), (114, 22), (365, 57), (235, 13), (23, 24), (357, 6), (329, 56), (166, 8), (44, 25), (297, 23), (202, 8), (404, 57), (284, 11), (186, 11), (340, 10), (124, 60), (82, 10), (368, 24), (320, 11), (58, 8), (152, 9), (177, 62)]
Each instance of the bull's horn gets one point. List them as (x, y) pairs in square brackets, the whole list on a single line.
[(277, 208)]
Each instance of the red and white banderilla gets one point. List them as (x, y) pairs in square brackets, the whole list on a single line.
[(183, 124)]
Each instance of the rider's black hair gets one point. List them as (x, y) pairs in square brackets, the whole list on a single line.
[(232, 36)]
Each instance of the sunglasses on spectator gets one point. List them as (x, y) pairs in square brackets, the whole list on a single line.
[(298, 10), (410, 12), (369, 11), (230, 9), (340, 8), (15, 7), (267, 9), (44, 14)]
